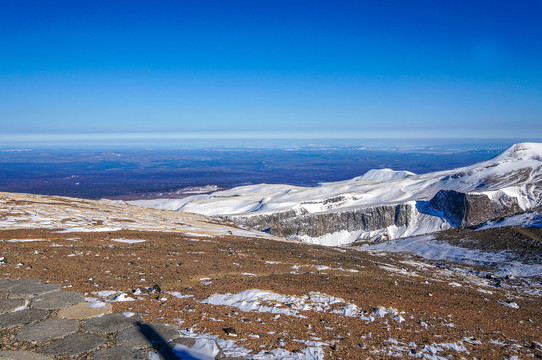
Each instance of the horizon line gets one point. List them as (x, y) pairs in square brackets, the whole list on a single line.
[(248, 135)]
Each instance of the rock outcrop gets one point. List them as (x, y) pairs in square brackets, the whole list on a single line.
[(289, 223), (471, 209), (103, 336)]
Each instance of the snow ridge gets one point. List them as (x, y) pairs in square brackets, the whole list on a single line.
[(512, 180)]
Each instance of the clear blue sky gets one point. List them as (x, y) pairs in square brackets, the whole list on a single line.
[(270, 68)]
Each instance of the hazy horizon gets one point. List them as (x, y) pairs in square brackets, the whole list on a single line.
[(151, 141)]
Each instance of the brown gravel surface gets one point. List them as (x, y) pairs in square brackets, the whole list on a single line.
[(435, 312)]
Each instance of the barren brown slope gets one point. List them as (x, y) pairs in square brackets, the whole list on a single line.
[(455, 311)]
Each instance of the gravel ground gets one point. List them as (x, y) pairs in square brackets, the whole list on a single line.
[(440, 304)]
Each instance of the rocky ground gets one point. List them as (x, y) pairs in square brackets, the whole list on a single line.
[(41, 321), (525, 243), (262, 298)]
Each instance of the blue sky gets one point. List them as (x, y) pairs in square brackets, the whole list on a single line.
[(263, 69)]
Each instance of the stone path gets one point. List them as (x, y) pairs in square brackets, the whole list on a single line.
[(44, 322)]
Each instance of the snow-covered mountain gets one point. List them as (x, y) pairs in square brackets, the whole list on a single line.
[(381, 204)]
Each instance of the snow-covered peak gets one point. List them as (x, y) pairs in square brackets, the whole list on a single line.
[(517, 172), (522, 151), (383, 175)]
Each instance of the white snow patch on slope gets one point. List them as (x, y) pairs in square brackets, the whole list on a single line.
[(383, 175), (24, 240), (178, 295), (203, 349), (313, 351), (291, 305), (429, 248), (526, 220), (128, 241), (342, 237), (92, 229)]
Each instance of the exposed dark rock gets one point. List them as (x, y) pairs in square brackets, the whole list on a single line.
[(290, 223), (230, 331), (471, 209)]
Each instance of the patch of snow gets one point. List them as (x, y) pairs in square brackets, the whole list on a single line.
[(498, 342), (105, 293), (120, 298), (291, 305), (511, 304), (526, 220), (22, 307), (24, 240), (196, 234), (92, 229), (338, 238), (429, 248), (203, 349), (458, 347), (96, 304), (128, 241), (178, 295), (485, 291), (383, 175)]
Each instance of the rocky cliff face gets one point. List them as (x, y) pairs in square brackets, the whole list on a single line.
[(289, 223), (471, 209), (457, 208)]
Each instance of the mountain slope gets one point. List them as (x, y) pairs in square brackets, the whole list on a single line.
[(382, 203), (69, 215)]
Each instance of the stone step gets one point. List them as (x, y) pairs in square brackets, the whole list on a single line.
[(146, 335), (22, 355), (121, 353), (112, 323), (21, 289), (57, 300), (61, 324), (74, 344), (84, 310), (8, 305), (47, 330), (23, 317)]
